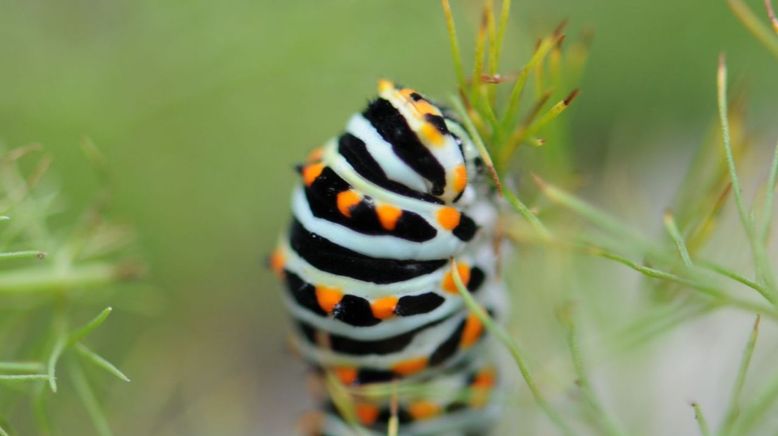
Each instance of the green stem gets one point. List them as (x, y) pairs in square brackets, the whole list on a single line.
[(50, 279), (675, 234), (27, 254), (607, 425), (757, 249), (755, 25), (767, 218), (701, 421), (89, 400), (715, 293), (452, 37), (745, 362), (512, 347)]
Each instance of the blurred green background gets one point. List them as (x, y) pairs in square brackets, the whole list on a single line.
[(203, 107)]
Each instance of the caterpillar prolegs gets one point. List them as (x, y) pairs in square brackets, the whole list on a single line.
[(379, 213)]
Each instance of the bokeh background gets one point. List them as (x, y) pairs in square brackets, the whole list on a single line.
[(203, 107)]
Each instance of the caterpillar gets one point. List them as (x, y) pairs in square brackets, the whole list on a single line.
[(379, 212)]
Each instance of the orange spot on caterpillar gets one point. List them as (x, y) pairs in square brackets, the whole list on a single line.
[(345, 374), (472, 331), (311, 172), (328, 297), (277, 262), (423, 410), (384, 307), (432, 134), (448, 284), (367, 413), (460, 178), (385, 85), (347, 200), (410, 366), (448, 217), (484, 379), (388, 215), (316, 154)]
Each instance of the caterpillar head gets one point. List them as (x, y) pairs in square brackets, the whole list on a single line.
[(431, 149)]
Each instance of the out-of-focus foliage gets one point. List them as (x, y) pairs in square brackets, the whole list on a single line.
[(202, 108)]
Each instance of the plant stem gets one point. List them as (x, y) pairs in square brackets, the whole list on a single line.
[(675, 234), (757, 249), (701, 421), (755, 25), (49, 279), (452, 37), (512, 347), (607, 425), (745, 362)]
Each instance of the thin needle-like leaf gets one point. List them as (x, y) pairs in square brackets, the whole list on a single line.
[(22, 366), (100, 362), (27, 254), (503, 336), (515, 97), (503, 24), (17, 377), (767, 210), (771, 15), (745, 362), (80, 333), (56, 352), (89, 400), (701, 421), (452, 37), (606, 424), (711, 291), (757, 249), (675, 234), (754, 25)]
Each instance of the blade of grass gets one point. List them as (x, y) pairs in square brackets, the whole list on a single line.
[(3, 432), (89, 400), (701, 421), (733, 410), (503, 336), (754, 25), (100, 362), (456, 55)]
